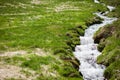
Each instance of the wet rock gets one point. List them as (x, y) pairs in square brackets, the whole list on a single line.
[(103, 33), (101, 45)]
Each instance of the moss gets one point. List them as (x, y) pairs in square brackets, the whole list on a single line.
[(73, 42), (73, 36), (95, 20), (101, 45), (68, 70), (61, 51), (103, 33), (115, 55), (112, 72), (70, 65)]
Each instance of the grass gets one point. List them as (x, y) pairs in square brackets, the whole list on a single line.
[(34, 62), (44, 67), (42, 27), (51, 25)]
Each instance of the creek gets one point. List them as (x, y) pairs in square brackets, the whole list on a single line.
[(87, 52)]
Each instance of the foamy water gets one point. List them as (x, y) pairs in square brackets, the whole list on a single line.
[(96, 1), (87, 52)]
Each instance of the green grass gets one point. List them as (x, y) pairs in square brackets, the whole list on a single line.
[(43, 27), (64, 69), (113, 71), (34, 62)]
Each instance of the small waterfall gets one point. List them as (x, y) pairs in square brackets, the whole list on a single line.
[(87, 52), (96, 1), (111, 8)]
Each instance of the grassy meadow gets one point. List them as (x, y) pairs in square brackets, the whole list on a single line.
[(25, 24), (53, 26)]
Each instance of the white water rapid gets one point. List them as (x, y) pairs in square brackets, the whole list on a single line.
[(96, 1), (87, 52)]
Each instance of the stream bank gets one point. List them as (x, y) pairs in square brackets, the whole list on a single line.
[(65, 52), (87, 52), (108, 39)]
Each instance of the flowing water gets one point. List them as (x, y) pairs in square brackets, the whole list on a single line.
[(96, 1), (87, 52)]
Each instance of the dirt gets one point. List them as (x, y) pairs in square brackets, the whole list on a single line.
[(10, 71), (10, 54), (36, 2), (65, 6)]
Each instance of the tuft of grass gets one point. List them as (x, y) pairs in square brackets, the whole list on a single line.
[(113, 71), (35, 62), (95, 20)]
